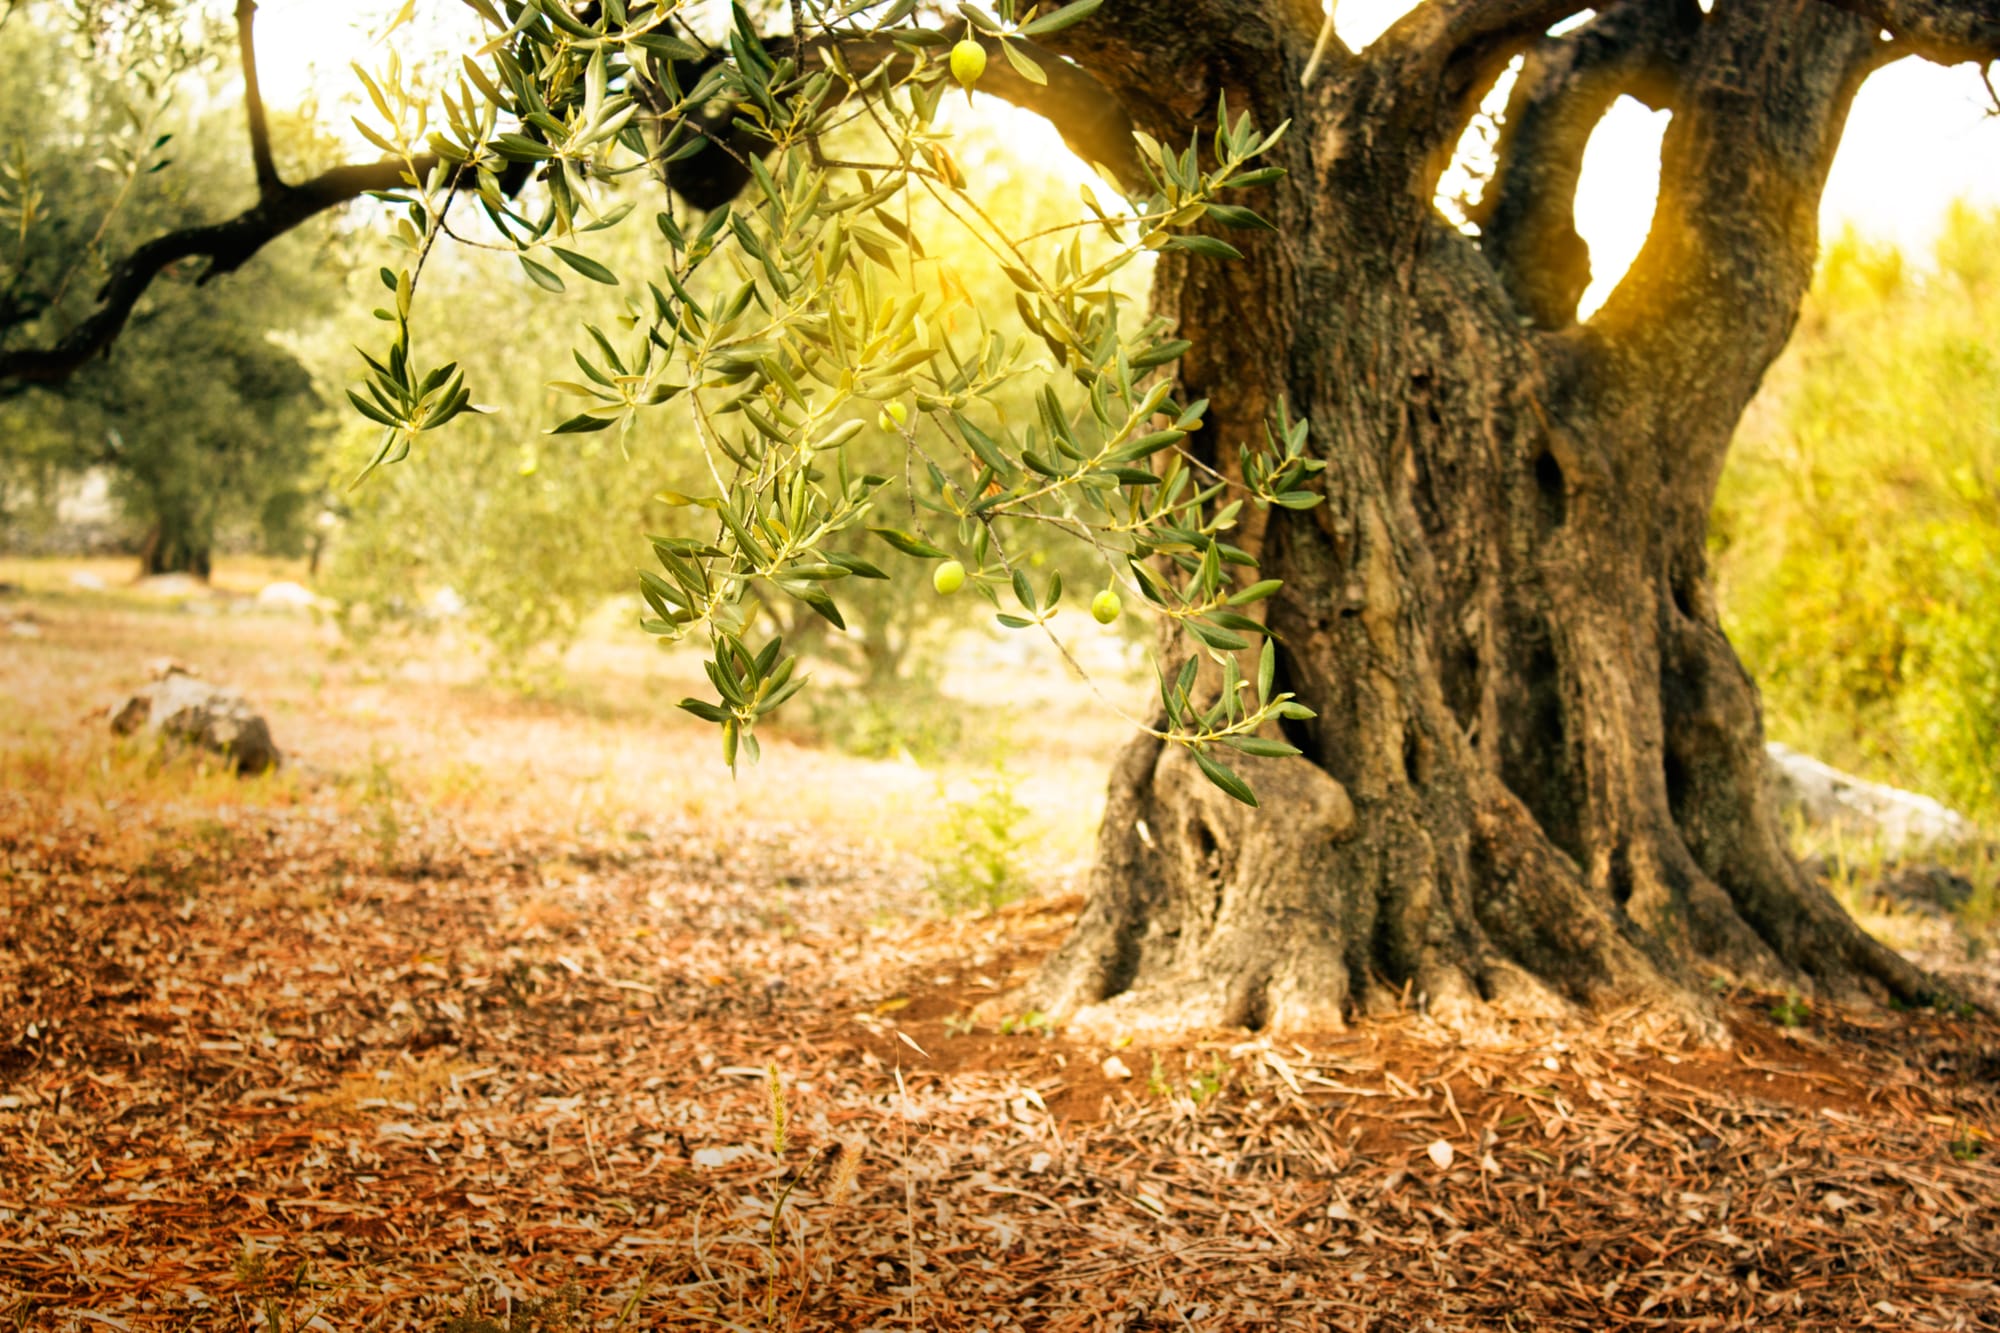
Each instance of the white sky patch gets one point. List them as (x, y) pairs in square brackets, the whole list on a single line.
[(1616, 194), (1573, 22), (1919, 137), (1360, 22)]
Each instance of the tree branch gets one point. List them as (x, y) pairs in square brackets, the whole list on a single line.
[(1949, 32), (1165, 61), (1431, 68), (1088, 115), (268, 184), (1527, 216), (1441, 33), (226, 245), (1091, 120), (1762, 99)]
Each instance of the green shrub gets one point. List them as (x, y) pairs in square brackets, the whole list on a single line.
[(1857, 530), (976, 862)]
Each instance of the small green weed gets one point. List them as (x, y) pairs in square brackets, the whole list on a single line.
[(913, 719), (976, 859), (547, 1314), (1033, 1022), (1791, 1012), (1965, 1145), (380, 792), (273, 1297), (1203, 1087)]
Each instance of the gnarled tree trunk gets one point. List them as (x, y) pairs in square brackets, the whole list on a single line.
[(1536, 774)]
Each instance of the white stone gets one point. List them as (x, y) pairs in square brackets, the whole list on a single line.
[(1904, 821), (285, 595)]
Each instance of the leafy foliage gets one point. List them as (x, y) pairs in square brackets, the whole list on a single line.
[(782, 323), (529, 533)]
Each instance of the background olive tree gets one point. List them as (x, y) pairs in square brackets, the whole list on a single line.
[(204, 421)]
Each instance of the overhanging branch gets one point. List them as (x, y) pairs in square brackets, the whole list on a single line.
[(226, 245), (1435, 63), (1438, 34), (1165, 61), (1088, 115)]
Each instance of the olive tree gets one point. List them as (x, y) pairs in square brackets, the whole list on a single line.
[(1445, 710), (202, 423)]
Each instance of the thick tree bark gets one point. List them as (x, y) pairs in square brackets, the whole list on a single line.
[(1535, 780)]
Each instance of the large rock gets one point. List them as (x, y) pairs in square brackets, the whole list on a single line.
[(188, 711), (1824, 796)]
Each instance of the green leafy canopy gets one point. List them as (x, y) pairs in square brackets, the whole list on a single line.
[(787, 322)]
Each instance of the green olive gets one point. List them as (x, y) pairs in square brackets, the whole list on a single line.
[(948, 577), (1106, 607), (893, 417), (968, 62)]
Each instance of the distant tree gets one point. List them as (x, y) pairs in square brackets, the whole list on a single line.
[(1506, 753), (200, 419)]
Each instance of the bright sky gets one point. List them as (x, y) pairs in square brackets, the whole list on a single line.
[(1919, 136)]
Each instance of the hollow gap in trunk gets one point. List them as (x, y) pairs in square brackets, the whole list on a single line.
[(1683, 596), (1621, 877), (1462, 185), (1554, 489), (1212, 861), (1460, 682), (1250, 1006), (1534, 751), (1296, 731), (1677, 784)]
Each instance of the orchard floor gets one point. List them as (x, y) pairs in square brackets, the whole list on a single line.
[(467, 1019)]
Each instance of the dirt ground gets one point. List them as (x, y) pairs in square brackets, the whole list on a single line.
[(471, 1017)]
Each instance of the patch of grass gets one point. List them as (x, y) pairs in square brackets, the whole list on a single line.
[(555, 1313), (1856, 865), (917, 721), (1791, 1012), (380, 792), (1207, 1083), (282, 1302)]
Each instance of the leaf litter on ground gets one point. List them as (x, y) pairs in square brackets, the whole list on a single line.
[(288, 1056)]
